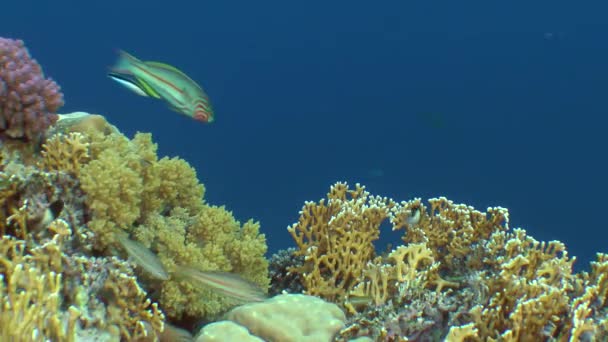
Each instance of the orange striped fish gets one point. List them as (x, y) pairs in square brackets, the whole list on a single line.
[(165, 82), (228, 284)]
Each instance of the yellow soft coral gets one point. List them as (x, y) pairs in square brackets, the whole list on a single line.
[(113, 193), (211, 240), (178, 185), (160, 203), (125, 183)]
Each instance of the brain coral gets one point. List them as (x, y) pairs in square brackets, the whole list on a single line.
[(28, 100)]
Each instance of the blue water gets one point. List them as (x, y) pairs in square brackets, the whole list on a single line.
[(490, 103)]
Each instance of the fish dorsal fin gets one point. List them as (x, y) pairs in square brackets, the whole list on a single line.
[(168, 67), (165, 66)]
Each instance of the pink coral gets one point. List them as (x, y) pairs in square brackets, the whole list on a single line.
[(28, 100)]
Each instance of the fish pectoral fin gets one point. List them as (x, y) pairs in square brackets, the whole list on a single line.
[(128, 83), (147, 88)]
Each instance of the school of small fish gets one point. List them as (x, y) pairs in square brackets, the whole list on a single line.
[(165, 82)]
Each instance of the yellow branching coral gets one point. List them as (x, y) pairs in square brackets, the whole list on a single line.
[(589, 320), (529, 283), (383, 278), (134, 315), (336, 237), (30, 298), (462, 333), (18, 219), (55, 295), (452, 231), (65, 152), (408, 259), (513, 287), (337, 240)]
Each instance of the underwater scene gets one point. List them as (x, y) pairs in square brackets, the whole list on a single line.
[(303, 172)]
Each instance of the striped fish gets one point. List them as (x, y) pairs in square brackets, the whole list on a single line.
[(165, 82), (142, 256), (228, 284)]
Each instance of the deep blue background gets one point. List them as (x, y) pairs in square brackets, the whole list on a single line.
[(486, 102)]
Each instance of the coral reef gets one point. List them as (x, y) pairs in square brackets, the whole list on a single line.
[(461, 274), (337, 238), (159, 202), (26, 279), (48, 274), (73, 193), (28, 100), (64, 207), (67, 190), (48, 294)]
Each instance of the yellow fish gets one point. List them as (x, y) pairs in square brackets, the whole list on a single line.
[(165, 82)]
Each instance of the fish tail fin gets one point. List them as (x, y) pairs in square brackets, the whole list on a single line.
[(125, 63)]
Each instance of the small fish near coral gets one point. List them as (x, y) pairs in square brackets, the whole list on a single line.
[(143, 257), (230, 285), (164, 82)]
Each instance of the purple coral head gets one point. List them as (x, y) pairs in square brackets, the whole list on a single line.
[(28, 100)]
